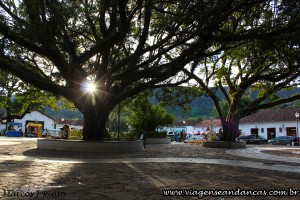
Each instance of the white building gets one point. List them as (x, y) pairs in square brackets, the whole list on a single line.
[(201, 127), (171, 130), (37, 117), (73, 124), (205, 125), (271, 123)]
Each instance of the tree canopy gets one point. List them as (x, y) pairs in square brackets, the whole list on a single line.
[(126, 47), (147, 117)]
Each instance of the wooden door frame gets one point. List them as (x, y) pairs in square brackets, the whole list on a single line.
[(269, 130)]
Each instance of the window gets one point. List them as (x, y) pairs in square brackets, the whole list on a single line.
[(262, 130)]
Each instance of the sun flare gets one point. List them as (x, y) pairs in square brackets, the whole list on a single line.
[(91, 87)]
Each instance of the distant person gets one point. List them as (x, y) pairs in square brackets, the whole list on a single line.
[(45, 133), (34, 132), (187, 136), (66, 129), (219, 134), (272, 135), (181, 136)]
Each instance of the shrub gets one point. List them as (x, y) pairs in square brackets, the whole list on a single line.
[(213, 137), (155, 134), (75, 133)]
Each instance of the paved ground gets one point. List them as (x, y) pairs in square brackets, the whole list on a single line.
[(183, 169)]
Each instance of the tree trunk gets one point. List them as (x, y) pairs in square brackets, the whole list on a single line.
[(230, 129), (95, 118), (94, 126)]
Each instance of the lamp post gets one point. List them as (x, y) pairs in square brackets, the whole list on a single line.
[(297, 116), (119, 121), (184, 128)]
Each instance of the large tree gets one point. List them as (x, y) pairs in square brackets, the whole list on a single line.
[(121, 46), (263, 68)]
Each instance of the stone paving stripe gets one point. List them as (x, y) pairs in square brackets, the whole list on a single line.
[(240, 163)]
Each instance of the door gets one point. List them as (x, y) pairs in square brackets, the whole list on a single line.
[(271, 132), (254, 131), (290, 131)]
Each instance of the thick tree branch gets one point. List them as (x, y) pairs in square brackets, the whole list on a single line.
[(252, 109), (31, 76)]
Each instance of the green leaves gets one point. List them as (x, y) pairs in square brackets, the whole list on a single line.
[(147, 117)]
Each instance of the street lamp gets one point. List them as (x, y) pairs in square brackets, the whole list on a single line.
[(119, 121), (297, 116)]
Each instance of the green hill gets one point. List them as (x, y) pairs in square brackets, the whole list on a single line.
[(64, 113), (203, 106)]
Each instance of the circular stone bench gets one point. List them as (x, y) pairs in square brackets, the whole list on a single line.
[(158, 140), (225, 144), (90, 146)]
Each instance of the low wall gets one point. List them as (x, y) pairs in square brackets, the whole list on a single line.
[(158, 140), (225, 144), (90, 146)]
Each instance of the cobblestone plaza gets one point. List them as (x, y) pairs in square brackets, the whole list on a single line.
[(184, 171)]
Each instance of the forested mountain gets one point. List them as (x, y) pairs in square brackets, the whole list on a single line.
[(203, 106), (64, 113)]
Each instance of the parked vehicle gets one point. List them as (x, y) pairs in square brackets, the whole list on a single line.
[(14, 129), (253, 139), (34, 130), (195, 139), (54, 133), (284, 140)]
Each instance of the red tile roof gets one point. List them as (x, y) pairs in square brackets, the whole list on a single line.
[(271, 115), (207, 123)]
